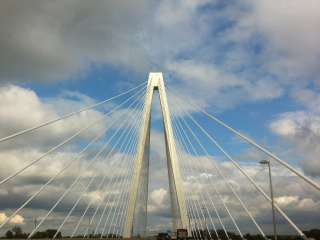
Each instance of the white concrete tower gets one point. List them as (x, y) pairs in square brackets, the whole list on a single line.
[(178, 205)]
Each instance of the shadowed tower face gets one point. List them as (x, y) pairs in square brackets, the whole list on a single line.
[(141, 168)]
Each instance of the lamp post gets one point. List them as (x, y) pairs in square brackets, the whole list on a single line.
[(266, 162), (190, 228)]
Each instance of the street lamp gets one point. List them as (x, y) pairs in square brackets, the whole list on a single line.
[(266, 162)]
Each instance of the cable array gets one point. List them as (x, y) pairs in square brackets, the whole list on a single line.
[(100, 190), (190, 143), (117, 154)]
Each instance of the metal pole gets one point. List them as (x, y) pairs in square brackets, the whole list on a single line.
[(272, 204), (189, 222), (272, 199)]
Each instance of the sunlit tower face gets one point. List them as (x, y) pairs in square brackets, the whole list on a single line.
[(141, 171)]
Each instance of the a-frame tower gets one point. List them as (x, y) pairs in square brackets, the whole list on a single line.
[(141, 168)]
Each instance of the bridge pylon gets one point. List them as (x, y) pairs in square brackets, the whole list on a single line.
[(141, 168)]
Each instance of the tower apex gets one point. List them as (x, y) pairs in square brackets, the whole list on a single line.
[(155, 79)]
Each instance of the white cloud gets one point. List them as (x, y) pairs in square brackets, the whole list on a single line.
[(158, 197), (284, 201), (21, 108), (289, 197), (292, 34), (308, 203), (285, 126), (3, 217), (302, 129), (204, 83), (15, 154), (284, 46), (16, 220)]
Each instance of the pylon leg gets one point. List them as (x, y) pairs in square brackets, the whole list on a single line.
[(178, 205)]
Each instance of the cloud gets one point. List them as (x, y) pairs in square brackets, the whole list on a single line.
[(205, 82), (285, 126), (23, 186), (197, 182), (207, 41), (249, 56), (159, 197), (211, 51), (283, 46), (244, 56), (21, 103), (301, 128), (21, 108), (292, 35), (158, 200), (286, 200), (3, 217), (203, 45), (16, 220), (45, 40)]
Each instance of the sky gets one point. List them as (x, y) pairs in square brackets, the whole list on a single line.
[(254, 64)]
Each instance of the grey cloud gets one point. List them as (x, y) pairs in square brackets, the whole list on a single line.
[(47, 40)]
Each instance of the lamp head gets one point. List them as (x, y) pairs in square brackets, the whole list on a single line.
[(264, 162)]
